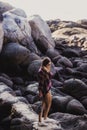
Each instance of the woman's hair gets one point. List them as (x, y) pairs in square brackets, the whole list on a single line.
[(46, 61)]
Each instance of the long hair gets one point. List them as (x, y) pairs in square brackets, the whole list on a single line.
[(46, 61)]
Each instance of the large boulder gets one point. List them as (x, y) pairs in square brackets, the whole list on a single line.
[(5, 7), (32, 57), (8, 82), (31, 89), (65, 62), (59, 103), (52, 53), (82, 67), (70, 122), (76, 108), (15, 53), (41, 33), (17, 29), (19, 12), (75, 88)]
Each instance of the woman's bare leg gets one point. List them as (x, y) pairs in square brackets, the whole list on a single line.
[(48, 101), (42, 109)]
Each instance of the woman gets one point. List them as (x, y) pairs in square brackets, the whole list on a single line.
[(44, 76)]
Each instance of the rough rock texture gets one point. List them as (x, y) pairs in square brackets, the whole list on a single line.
[(24, 42), (71, 122), (5, 7), (74, 32), (15, 53), (17, 29), (21, 113), (41, 33)]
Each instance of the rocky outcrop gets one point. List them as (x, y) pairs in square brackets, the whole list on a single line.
[(18, 113), (17, 29), (74, 32), (71, 122), (24, 42)]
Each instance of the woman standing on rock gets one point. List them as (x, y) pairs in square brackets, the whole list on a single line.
[(45, 76)]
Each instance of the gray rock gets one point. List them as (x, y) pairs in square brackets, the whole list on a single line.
[(73, 86), (6, 81), (82, 67), (70, 122), (5, 7), (52, 53), (33, 69), (14, 52), (17, 29), (41, 33), (65, 62), (32, 89), (59, 103), (32, 57), (19, 12), (76, 108)]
